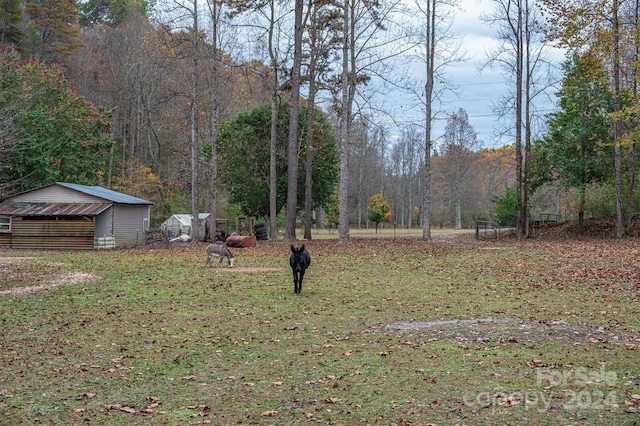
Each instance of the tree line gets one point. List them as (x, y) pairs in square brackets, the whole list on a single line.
[(189, 103)]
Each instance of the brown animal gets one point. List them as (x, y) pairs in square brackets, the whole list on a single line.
[(219, 251)]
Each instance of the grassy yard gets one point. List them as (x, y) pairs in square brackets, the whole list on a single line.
[(385, 331)]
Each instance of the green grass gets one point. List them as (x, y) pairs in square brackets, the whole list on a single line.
[(152, 336)]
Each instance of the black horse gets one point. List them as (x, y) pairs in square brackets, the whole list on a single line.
[(299, 261)]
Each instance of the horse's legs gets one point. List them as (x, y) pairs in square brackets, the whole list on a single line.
[(295, 282), (300, 281)]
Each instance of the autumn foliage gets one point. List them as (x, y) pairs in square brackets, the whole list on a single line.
[(379, 210)]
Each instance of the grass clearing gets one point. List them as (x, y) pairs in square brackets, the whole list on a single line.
[(385, 330)]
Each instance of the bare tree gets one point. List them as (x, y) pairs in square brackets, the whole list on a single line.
[(195, 146), (345, 119), (404, 166), (363, 49), (273, 172), (267, 19), (436, 47), (292, 154), (367, 163), (459, 146), (215, 12), (323, 17), (523, 55)]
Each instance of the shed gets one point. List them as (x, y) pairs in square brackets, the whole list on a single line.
[(180, 224), (71, 216)]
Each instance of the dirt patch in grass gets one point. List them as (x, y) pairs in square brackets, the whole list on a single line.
[(500, 330), (27, 275)]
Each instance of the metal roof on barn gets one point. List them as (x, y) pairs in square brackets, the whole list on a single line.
[(107, 194)]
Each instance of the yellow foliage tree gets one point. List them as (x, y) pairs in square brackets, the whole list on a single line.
[(379, 210), (141, 183)]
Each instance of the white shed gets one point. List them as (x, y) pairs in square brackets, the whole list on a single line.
[(180, 224)]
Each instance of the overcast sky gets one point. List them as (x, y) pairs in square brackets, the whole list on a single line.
[(477, 91)]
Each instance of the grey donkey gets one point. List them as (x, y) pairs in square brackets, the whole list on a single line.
[(219, 251)]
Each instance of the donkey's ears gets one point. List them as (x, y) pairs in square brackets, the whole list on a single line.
[(293, 249), (301, 248)]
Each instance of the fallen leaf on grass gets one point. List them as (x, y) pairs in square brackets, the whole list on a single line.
[(535, 363), (331, 400), (120, 407), (269, 413), (435, 405)]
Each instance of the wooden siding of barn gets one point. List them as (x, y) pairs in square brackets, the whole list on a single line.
[(129, 223), (53, 234)]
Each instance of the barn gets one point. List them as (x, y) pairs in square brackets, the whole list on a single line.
[(71, 216)]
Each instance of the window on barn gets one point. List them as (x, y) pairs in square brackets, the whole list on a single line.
[(5, 224)]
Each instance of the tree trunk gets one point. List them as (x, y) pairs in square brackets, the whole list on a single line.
[(308, 180), (582, 203), (343, 186), (273, 176), (292, 155), (458, 210), (518, 124), (430, 65), (215, 111), (617, 132), (527, 120), (194, 129), (632, 153)]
